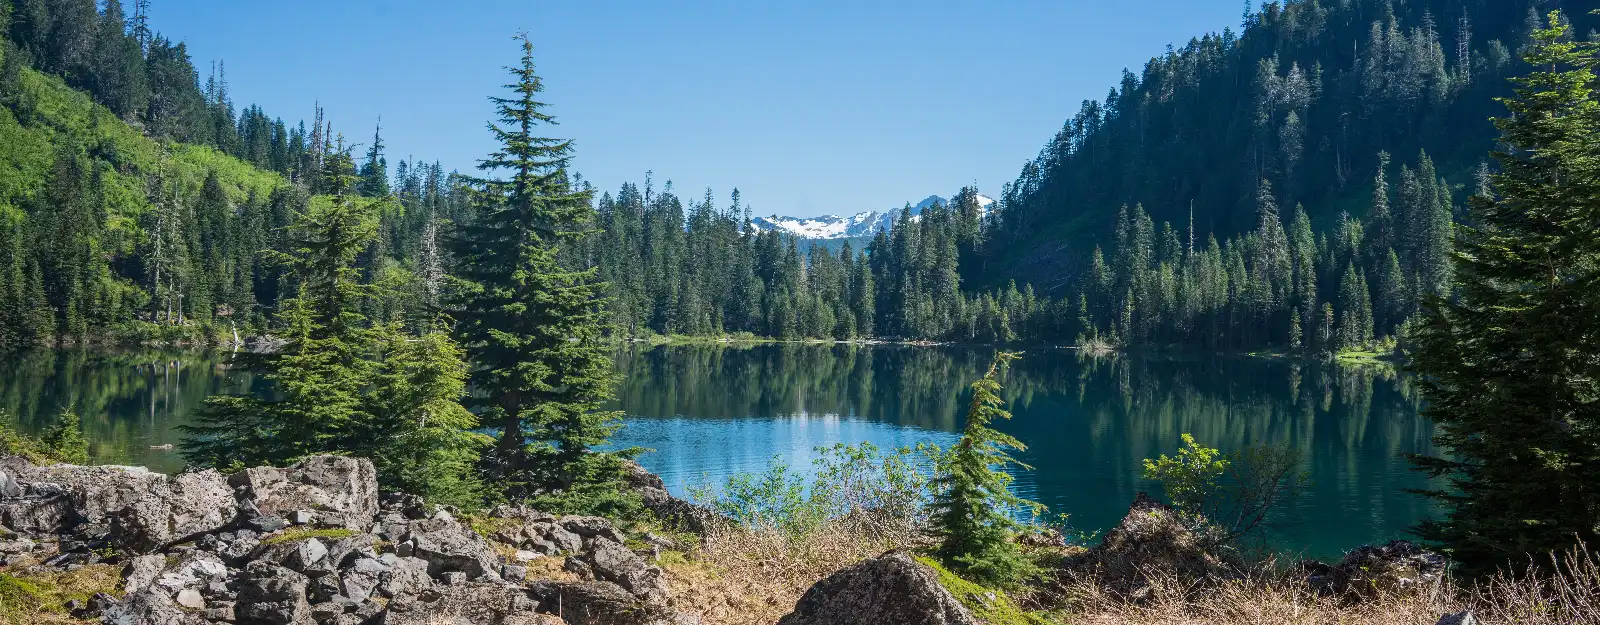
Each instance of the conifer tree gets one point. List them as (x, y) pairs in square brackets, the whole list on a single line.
[(1507, 367), (531, 325), (973, 505)]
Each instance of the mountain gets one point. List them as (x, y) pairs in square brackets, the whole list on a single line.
[(858, 226), (1308, 97)]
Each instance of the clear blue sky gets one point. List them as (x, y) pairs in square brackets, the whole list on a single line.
[(808, 107)]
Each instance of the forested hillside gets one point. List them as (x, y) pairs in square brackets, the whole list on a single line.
[(1325, 146), (135, 204)]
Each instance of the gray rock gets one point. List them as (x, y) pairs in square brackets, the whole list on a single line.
[(272, 595), (95, 494), (1152, 540), (344, 551), (449, 547), (305, 554), (301, 517), (675, 512), (613, 562), (335, 486), (195, 569), (591, 527), (357, 585), (174, 509), (147, 607), (190, 598), (595, 603), (221, 611), (892, 589), (1398, 568), (141, 571), (1459, 618), (514, 573), (453, 578), (473, 603), (409, 576)]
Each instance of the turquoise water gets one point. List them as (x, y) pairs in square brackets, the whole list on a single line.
[(708, 412)]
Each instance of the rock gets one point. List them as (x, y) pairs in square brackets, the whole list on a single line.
[(595, 603), (221, 611), (174, 510), (472, 603), (1394, 569), (95, 494), (147, 607), (614, 563), (525, 556), (302, 517), (1459, 618), (343, 551), (891, 589), (140, 572), (192, 570), (449, 547), (268, 523), (675, 512), (1152, 540), (514, 573), (190, 598), (408, 576), (272, 595), (305, 554), (336, 486), (591, 527)]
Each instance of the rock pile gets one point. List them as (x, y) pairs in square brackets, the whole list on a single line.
[(315, 544)]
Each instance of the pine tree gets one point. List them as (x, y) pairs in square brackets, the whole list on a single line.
[(972, 510), (532, 327), (1507, 366), (64, 441)]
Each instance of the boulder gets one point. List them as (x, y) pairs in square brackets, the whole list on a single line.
[(449, 547), (595, 603), (472, 603), (1459, 618), (173, 510), (58, 498), (591, 527), (891, 589), (343, 489), (140, 572), (675, 512), (272, 595), (1152, 540), (148, 607), (615, 563), (1399, 568), (194, 569), (406, 576)]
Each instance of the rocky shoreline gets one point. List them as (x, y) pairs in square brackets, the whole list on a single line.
[(317, 544)]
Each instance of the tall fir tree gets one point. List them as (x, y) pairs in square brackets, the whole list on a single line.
[(532, 326), (1507, 366)]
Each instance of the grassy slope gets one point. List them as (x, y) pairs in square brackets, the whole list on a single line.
[(128, 158)]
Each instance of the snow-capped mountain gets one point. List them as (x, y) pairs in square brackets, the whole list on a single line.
[(845, 227)]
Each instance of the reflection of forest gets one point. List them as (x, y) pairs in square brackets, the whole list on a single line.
[(1088, 420), (129, 400)]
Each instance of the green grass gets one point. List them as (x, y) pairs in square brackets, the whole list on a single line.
[(39, 597), (302, 533), (988, 605)]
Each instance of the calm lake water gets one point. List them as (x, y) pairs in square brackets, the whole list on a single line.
[(708, 412)]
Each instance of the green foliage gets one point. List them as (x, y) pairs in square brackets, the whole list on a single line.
[(64, 441), (531, 323), (991, 606), (856, 482), (343, 385), (304, 532), (1231, 496), (973, 506), (1507, 365), (1191, 477)]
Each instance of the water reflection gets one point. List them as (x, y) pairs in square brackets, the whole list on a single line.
[(717, 410)]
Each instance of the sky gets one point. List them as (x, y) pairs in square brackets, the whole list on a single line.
[(807, 108)]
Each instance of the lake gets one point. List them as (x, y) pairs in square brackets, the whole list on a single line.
[(708, 412)]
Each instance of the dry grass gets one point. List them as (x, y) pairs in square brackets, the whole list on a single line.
[(743, 576), (1570, 596)]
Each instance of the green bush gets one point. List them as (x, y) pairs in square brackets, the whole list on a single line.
[(1234, 495), (850, 482)]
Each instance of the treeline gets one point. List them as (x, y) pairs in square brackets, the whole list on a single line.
[(1306, 96), (150, 81), (701, 270), (1278, 284)]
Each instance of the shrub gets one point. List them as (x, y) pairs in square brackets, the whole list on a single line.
[(1233, 495), (855, 484)]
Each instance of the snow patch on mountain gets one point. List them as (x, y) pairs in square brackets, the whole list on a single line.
[(863, 224)]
